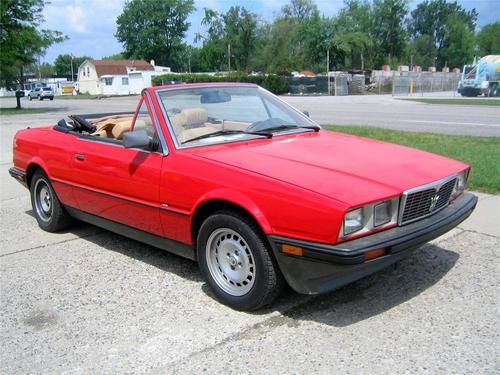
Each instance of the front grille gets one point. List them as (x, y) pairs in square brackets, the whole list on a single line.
[(425, 202)]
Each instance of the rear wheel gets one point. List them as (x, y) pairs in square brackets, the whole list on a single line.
[(31, 98), (49, 212), (237, 262)]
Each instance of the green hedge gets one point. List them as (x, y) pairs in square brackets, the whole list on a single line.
[(273, 83)]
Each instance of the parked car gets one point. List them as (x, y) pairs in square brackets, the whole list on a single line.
[(255, 191), (41, 93)]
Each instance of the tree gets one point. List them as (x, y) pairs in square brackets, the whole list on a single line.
[(154, 29), (234, 33), (62, 64), (388, 28), (433, 17), (115, 56), (354, 39), (488, 39), (300, 10), (459, 48), (21, 39), (422, 51)]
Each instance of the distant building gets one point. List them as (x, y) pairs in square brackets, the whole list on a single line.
[(115, 77)]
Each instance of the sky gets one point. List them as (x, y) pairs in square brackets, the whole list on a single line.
[(91, 24)]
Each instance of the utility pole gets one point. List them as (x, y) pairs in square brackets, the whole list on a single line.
[(72, 75), (327, 61), (39, 72), (229, 56)]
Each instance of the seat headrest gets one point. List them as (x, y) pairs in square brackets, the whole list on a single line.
[(195, 116), (121, 128)]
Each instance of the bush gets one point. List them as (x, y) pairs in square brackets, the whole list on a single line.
[(275, 84)]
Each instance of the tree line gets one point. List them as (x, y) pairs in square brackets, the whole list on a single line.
[(362, 35)]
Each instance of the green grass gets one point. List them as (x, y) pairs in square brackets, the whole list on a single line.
[(22, 111), (458, 101), (482, 153)]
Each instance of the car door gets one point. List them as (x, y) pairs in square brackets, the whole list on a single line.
[(116, 183)]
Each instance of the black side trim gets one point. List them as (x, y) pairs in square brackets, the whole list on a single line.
[(175, 247), (19, 175)]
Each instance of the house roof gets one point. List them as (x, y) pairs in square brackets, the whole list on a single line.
[(112, 67)]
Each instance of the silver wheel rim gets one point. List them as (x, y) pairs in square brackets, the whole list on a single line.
[(230, 262), (43, 200)]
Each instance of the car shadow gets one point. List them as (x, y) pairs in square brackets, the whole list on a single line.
[(348, 305), (379, 292)]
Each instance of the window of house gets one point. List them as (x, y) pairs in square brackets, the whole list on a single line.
[(108, 81), (125, 81), (87, 68)]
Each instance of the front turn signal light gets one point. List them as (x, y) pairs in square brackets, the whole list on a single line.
[(292, 250)]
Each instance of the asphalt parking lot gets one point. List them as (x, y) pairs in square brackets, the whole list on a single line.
[(89, 301)]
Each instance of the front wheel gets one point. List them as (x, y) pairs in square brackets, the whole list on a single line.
[(49, 212), (237, 262)]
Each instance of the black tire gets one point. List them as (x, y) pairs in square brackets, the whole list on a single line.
[(267, 281), (31, 98), (48, 211), (51, 98), (40, 97)]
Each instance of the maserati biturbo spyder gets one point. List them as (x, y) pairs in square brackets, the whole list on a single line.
[(250, 187)]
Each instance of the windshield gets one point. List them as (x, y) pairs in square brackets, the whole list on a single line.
[(215, 114)]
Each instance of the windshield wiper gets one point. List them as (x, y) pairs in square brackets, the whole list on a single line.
[(224, 132), (289, 126)]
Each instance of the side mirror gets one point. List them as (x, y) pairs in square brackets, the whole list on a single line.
[(306, 113), (136, 139)]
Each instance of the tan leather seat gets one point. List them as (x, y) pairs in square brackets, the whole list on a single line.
[(121, 128), (105, 126), (195, 116), (191, 123), (144, 122)]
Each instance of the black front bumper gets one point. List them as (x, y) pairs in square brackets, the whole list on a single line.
[(323, 267), (19, 175)]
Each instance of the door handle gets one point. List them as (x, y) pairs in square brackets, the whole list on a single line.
[(79, 157)]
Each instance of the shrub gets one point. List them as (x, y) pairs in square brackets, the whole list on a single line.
[(275, 84)]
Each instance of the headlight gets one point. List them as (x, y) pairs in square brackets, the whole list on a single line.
[(370, 217), (460, 184), (382, 213), (353, 221)]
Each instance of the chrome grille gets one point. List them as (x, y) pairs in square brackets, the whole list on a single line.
[(429, 199)]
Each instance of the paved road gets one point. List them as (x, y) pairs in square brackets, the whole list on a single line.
[(89, 301), (390, 113)]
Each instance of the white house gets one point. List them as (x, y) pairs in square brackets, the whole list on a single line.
[(115, 77)]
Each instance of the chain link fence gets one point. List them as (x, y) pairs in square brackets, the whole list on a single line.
[(407, 84), (379, 83), (307, 85)]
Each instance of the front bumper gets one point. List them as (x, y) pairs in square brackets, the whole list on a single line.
[(323, 267)]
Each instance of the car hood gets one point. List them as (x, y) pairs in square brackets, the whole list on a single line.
[(348, 168)]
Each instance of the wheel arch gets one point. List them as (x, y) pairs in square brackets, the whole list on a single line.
[(32, 167), (235, 202)]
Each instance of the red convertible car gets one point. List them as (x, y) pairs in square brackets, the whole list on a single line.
[(253, 189)]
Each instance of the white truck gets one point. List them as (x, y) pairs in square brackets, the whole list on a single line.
[(481, 77)]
